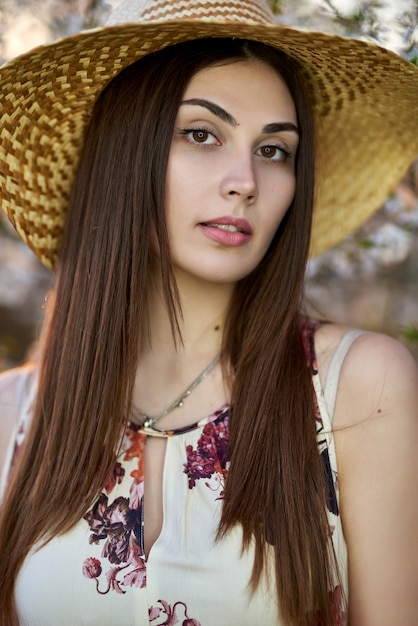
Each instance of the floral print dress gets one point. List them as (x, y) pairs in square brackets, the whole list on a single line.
[(98, 573)]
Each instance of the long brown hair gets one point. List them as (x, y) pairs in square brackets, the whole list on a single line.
[(100, 317)]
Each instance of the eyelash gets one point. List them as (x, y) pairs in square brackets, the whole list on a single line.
[(188, 131), (285, 152)]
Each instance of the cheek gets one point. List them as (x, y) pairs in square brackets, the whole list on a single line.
[(179, 189), (280, 201)]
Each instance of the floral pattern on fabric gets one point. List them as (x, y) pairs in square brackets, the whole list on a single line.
[(116, 524), (119, 525), (210, 458), (170, 613), (111, 555)]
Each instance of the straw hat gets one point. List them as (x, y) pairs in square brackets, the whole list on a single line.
[(365, 103)]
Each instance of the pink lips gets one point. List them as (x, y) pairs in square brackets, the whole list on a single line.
[(238, 233)]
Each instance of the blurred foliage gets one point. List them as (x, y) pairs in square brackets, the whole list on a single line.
[(366, 20), (275, 5), (363, 21), (410, 334), (409, 24)]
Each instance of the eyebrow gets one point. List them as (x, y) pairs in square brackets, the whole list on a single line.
[(273, 127), (277, 127), (213, 108)]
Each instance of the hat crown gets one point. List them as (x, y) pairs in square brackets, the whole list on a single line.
[(242, 11), (363, 99)]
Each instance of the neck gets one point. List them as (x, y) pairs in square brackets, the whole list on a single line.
[(167, 368), (204, 307)]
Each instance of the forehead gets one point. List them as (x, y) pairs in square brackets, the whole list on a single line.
[(249, 85)]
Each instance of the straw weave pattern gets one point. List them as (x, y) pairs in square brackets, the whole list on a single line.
[(213, 10), (363, 97)]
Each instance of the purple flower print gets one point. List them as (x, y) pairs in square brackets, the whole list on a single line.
[(117, 525), (211, 455), (171, 614), (135, 577), (136, 494), (114, 523), (116, 478), (197, 466), (113, 582), (92, 568)]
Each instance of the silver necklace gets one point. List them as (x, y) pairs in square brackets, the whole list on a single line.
[(150, 422)]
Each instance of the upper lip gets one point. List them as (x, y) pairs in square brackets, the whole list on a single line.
[(239, 222)]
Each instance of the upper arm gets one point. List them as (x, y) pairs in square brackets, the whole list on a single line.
[(376, 438)]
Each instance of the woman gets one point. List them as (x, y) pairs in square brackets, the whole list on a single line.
[(174, 452)]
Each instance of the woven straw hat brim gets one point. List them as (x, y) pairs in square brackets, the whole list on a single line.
[(365, 105)]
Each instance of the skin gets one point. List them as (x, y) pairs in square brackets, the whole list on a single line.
[(238, 167), (376, 438), (375, 420)]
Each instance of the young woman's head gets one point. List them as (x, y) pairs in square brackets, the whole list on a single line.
[(134, 173)]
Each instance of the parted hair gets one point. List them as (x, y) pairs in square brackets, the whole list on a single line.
[(275, 487)]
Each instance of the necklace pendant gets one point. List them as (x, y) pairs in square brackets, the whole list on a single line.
[(149, 422)]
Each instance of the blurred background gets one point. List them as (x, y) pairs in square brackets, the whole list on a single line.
[(369, 280)]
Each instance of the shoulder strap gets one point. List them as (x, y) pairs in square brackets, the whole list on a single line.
[(331, 382)]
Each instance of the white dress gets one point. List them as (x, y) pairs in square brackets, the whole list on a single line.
[(97, 573)]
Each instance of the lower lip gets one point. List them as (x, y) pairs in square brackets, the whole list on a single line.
[(225, 237)]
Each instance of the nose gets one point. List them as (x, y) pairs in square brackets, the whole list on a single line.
[(240, 178)]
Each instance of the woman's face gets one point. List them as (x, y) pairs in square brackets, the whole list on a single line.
[(231, 170)]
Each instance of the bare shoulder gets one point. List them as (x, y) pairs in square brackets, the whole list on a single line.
[(376, 440), (379, 378), (378, 374), (383, 353)]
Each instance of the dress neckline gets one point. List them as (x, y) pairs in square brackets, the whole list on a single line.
[(308, 328), (216, 416)]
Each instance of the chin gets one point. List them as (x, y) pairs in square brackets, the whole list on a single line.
[(222, 271)]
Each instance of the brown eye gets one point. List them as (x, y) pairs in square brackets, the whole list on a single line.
[(200, 136), (268, 151), (273, 153)]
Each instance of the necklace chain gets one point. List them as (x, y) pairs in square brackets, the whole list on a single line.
[(149, 422)]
